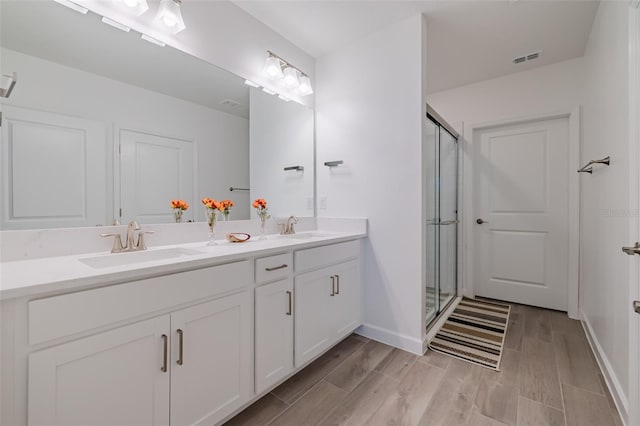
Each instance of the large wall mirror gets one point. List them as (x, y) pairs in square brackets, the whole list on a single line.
[(104, 126)]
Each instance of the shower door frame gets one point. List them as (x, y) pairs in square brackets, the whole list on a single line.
[(441, 125)]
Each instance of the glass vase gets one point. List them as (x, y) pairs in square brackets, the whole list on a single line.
[(211, 221), (177, 214), (263, 233)]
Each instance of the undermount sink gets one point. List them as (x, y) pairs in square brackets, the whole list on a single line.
[(304, 235), (130, 258)]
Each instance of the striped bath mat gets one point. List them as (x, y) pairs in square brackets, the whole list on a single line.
[(474, 332)]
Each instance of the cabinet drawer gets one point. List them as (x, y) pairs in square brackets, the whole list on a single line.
[(63, 315), (319, 257), (273, 267)]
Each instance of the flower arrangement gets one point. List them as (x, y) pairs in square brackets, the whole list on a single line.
[(225, 208), (179, 207), (212, 208), (263, 213), (261, 207)]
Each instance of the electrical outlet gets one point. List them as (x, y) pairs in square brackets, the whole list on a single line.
[(309, 203), (323, 203)]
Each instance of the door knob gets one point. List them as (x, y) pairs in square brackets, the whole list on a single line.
[(632, 250), (636, 306), (480, 221)]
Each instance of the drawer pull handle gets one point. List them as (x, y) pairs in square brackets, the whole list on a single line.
[(180, 345), (290, 302), (165, 340), (333, 285), (275, 268), (337, 284)]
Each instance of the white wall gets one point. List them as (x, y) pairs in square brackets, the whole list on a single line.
[(220, 33), (222, 140), (605, 206), (541, 90), (368, 113), (281, 136)]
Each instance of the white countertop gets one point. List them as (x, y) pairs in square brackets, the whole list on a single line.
[(62, 273)]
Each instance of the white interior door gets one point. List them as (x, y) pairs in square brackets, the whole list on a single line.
[(153, 171), (53, 170), (521, 178)]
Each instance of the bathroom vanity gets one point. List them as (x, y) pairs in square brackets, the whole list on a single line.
[(189, 335)]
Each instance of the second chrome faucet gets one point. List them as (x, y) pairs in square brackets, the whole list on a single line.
[(130, 245)]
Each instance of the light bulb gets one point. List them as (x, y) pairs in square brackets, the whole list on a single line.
[(304, 88), (169, 20), (135, 7), (291, 78), (169, 15), (272, 67)]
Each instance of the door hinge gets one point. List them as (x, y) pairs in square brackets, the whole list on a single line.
[(121, 213)]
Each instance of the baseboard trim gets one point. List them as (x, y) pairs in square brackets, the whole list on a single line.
[(390, 338), (616, 390)]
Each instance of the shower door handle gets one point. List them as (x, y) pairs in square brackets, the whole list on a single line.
[(480, 221)]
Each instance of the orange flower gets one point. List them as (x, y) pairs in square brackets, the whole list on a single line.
[(211, 203), (179, 204)]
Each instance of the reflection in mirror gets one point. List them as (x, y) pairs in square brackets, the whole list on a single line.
[(105, 126), (281, 161)]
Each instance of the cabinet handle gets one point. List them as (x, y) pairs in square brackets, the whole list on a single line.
[(289, 294), (275, 268), (338, 284), (333, 285), (180, 345), (165, 340)]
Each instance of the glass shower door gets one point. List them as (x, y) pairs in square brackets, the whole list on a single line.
[(430, 183), (448, 205), (440, 172)]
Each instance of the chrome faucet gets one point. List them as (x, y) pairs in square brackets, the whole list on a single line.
[(118, 247), (287, 228)]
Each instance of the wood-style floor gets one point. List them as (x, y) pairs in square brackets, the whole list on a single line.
[(548, 377)]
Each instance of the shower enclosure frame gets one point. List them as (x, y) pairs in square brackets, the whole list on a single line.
[(436, 176)]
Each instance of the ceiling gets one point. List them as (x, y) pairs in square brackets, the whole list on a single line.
[(467, 41), (50, 31)]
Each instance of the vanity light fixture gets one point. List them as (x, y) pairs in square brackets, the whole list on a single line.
[(72, 5), (169, 14), (152, 40), (137, 7), (268, 91), (251, 83), (116, 24), (292, 77)]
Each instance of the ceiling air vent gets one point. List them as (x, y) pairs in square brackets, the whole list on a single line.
[(230, 103), (528, 57)]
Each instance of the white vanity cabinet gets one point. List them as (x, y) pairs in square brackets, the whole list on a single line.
[(274, 333), (327, 300), (110, 378), (172, 346), (188, 366), (211, 360)]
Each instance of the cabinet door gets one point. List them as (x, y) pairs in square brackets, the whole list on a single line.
[(107, 379), (211, 371), (313, 310), (346, 310), (274, 333)]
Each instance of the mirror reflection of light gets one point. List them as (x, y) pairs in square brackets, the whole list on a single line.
[(169, 15)]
